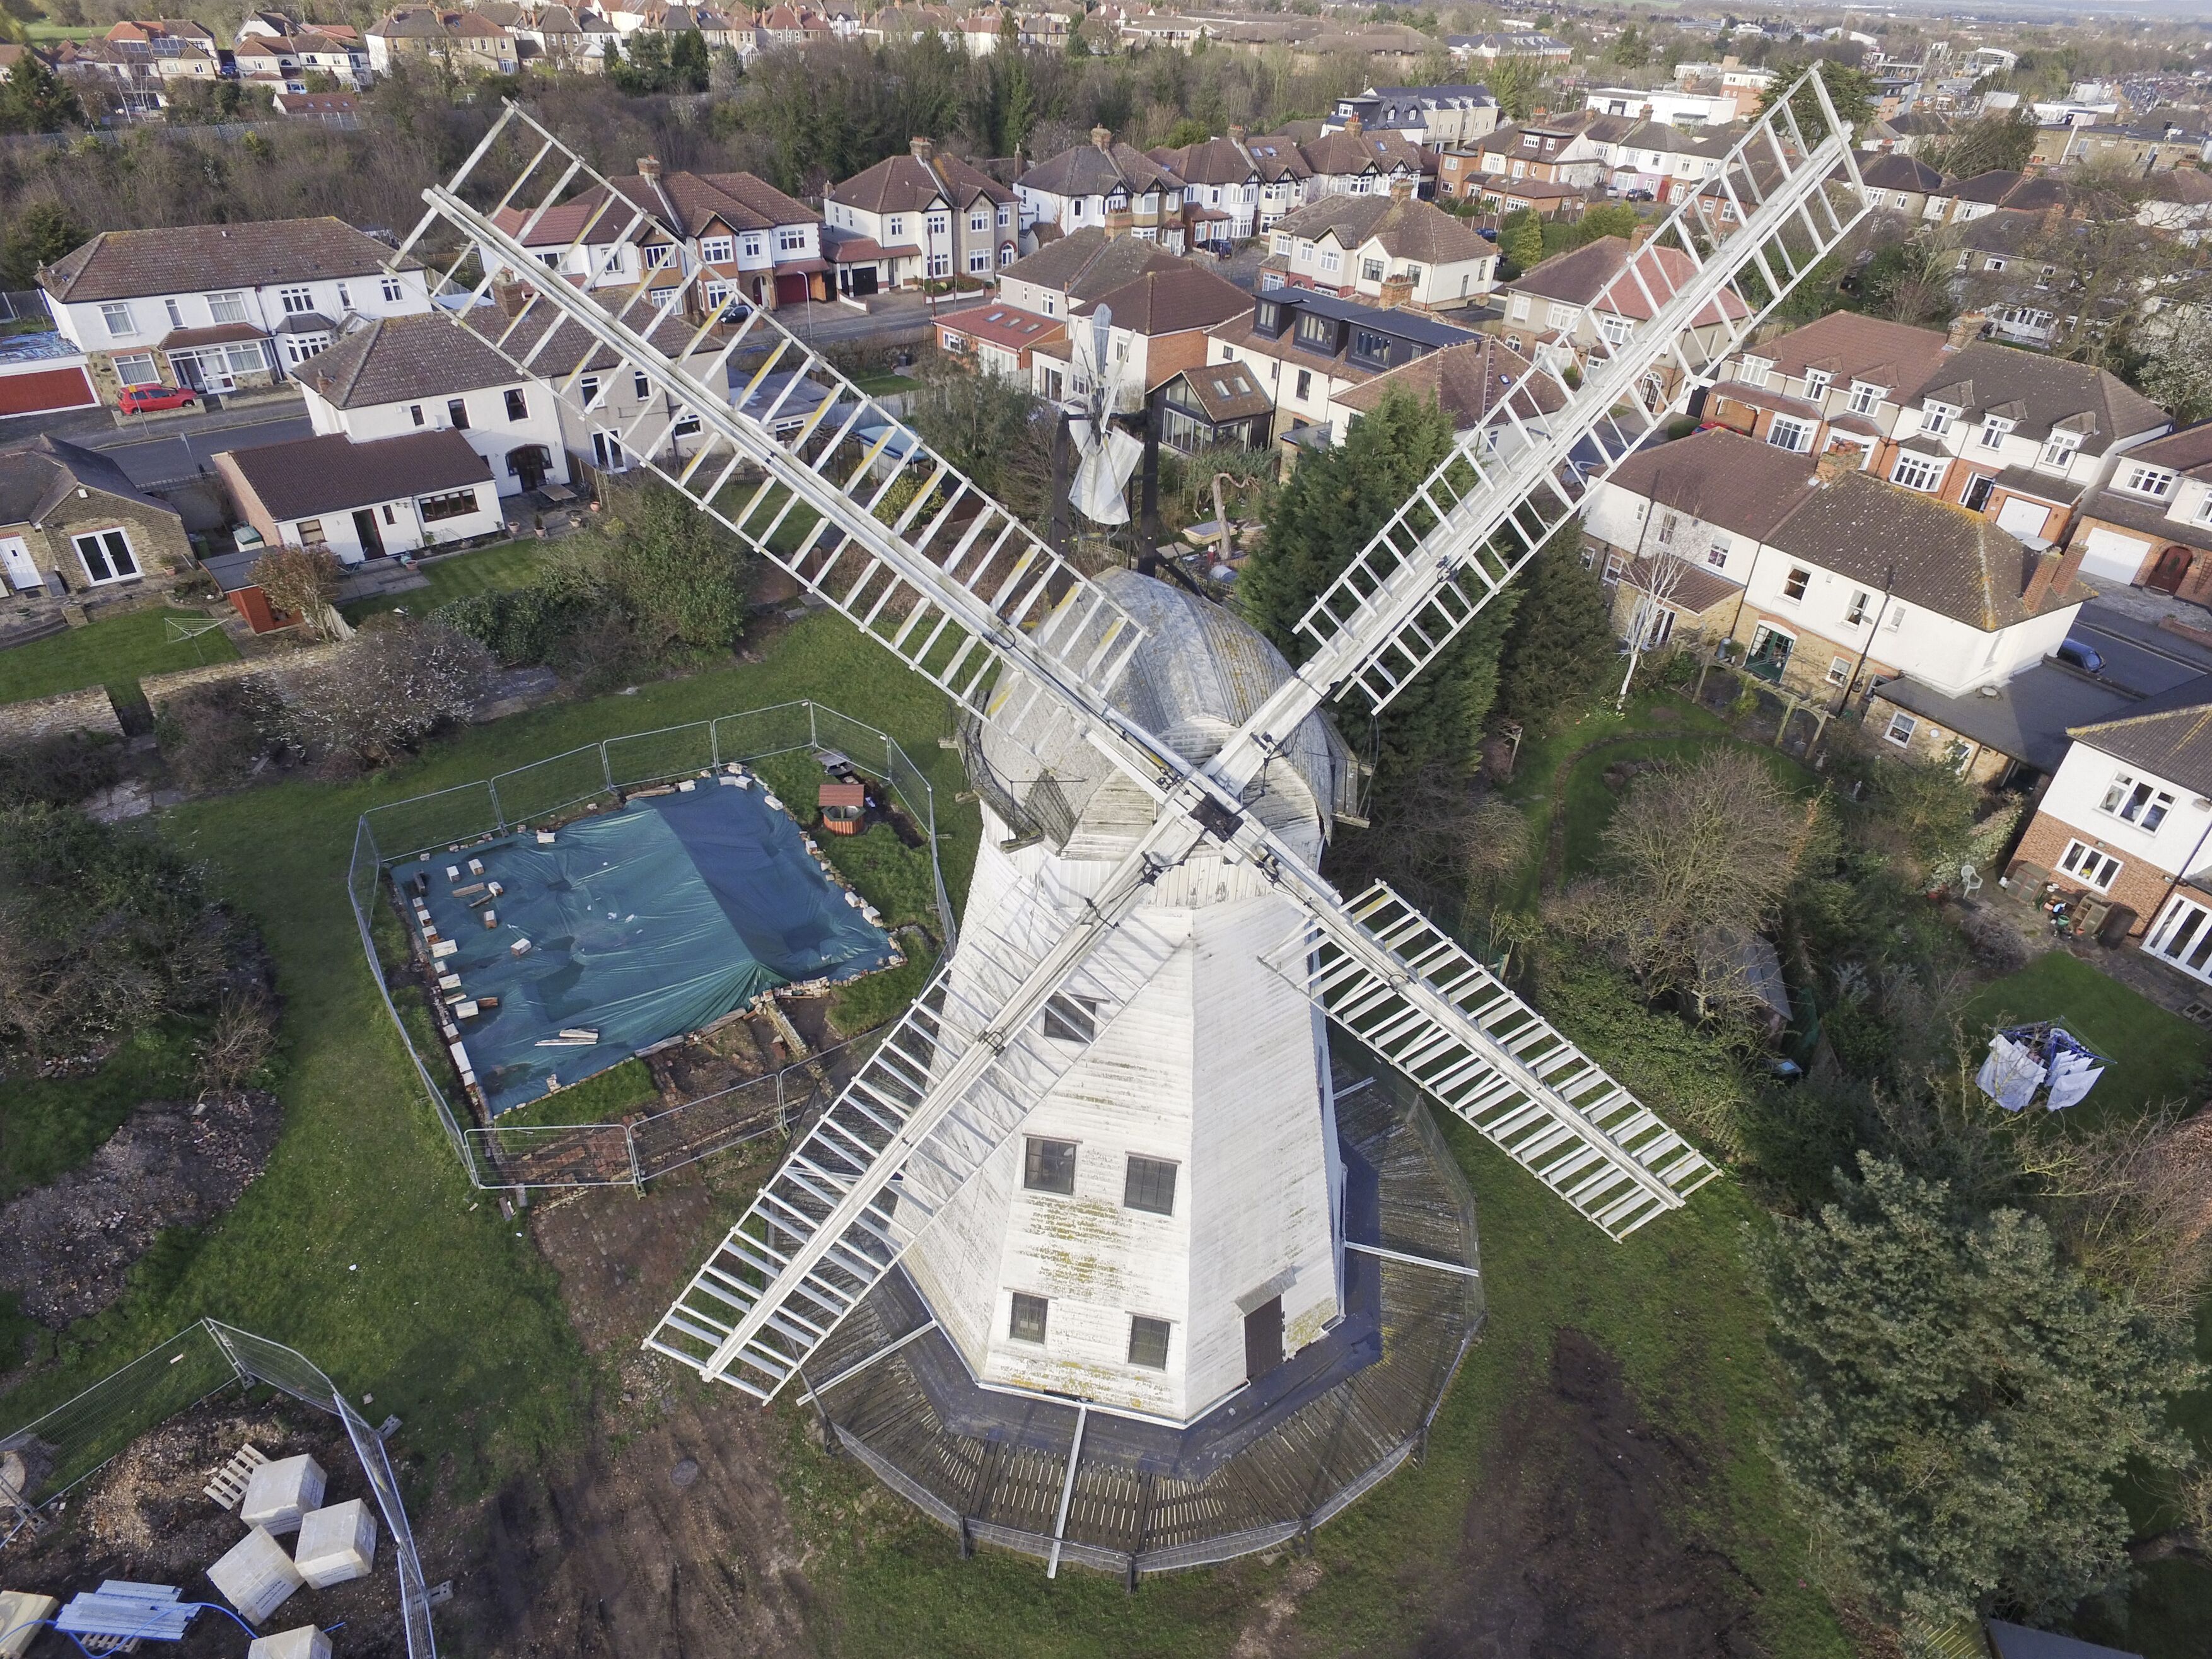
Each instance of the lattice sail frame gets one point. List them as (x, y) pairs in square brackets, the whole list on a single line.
[(916, 580)]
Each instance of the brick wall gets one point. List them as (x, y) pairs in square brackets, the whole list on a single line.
[(1931, 742), (28, 722), (157, 540), (161, 690), (2141, 885)]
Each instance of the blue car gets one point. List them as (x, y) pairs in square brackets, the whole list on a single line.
[(2075, 654)]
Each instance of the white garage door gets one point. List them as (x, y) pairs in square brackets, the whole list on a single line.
[(2109, 556), (2021, 517)]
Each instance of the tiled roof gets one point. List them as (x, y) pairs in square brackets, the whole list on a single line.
[(1897, 171), (1173, 301), (1851, 347), (397, 359), (1346, 153), (1226, 392), (309, 477), (1005, 325), (1579, 276), (1087, 263), (1990, 187), (35, 478), (2183, 451), (1097, 170), (1691, 589), (2169, 735), (2041, 394), (2044, 486), (122, 265), (903, 183), (1469, 381), (1723, 478), (1408, 229), (689, 202), (1233, 161)]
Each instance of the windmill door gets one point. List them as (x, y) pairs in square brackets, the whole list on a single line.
[(1263, 1339)]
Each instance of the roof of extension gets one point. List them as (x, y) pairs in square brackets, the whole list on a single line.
[(309, 477), (37, 476), (1470, 381), (2169, 735), (123, 264)]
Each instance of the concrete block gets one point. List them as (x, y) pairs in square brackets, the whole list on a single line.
[(337, 1545), (256, 1576), (304, 1642), (20, 1613), (278, 1493)]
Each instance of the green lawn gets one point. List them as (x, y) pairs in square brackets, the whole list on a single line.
[(613, 1093), (2156, 1056), (363, 1244), (50, 1125), (504, 564), (113, 652), (886, 384)]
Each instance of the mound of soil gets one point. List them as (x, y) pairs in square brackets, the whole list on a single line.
[(146, 1518), (1569, 1549), (64, 1248)]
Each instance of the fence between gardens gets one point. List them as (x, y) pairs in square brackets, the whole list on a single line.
[(77, 1439), (627, 1153)]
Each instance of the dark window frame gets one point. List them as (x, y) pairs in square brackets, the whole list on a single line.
[(1043, 1165), (1027, 1314), (1148, 1184), (1145, 1332)]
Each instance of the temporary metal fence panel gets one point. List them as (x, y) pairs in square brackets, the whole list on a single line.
[(76, 1439), (574, 1155)]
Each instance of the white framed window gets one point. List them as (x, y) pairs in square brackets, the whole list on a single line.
[(640, 386), (654, 256), (933, 224), (1716, 554), (1894, 620), (718, 250), (176, 312), (1754, 371), (390, 289), (1817, 382), (1861, 604), (1331, 260), (1839, 670), (345, 300), (1560, 316), (940, 264), (2203, 507), (979, 220), (227, 306), (718, 293), (2139, 479), (297, 299), (979, 260), (1865, 398), (117, 318), (2097, 869), (1005, 217), (1992, 434), (588, 391), (106, 556), (1615, 329), (1919, 472), (1794, 584), (1936, 418), (754, 247), (1520, 312), (1791, 434), (1902, 726), (2058, 450), (791, 239), (137, 368), (1006, 253), (2134, 800)]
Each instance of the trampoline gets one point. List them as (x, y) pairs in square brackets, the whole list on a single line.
[(620, 931)]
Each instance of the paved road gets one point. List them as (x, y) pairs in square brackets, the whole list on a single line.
[(161, 453), (2137, 655)]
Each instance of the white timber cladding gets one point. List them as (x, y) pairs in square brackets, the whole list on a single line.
[(1212, 1067)]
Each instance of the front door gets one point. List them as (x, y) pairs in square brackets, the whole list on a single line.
[(2167, 574), (528, 464), (1977, 493), (20, 568), (1263, 1339), (372, 538)]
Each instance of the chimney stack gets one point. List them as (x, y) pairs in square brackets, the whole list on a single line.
[(1401, 190), (510, 296), (1965, 330), (648, 166), (1641, 234), (1836, 464), (922, 148), (2053, 574), (1103, 137), (1236, 135), (1397, 291), (1354, 125)]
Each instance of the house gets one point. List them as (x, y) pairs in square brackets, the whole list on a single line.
[(364, 501), (144, 61), (2149, 524), (1080, 266), (1213, 403), (1597, 294), (1559, 152), (919, 216), (1903, 184), (1308, 349), (402, 374), (463, 43), (1106, 185), (1353, 161), (2142, 149), (998, 338), (341, 109), (1157, 328), (1530, 43), (1479, 382), (1656, 160), (2005, 273), (2127, 820), (71, 524), (1842, 381), (1236, 187), (2179, 201), (1546, 201), (1840, 582), (220, 306), (1433, 118), (1399, 250), (1672, 106), (742, 237), (2019, 435)]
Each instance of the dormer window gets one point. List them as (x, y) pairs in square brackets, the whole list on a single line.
[(2155, 481), (1754, 371), (1817, 381), (1992, 434), (1936, 418), (1865, 398), (2059, 450)]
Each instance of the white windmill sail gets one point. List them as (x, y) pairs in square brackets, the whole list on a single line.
[(1780, 205), (1109, 454)]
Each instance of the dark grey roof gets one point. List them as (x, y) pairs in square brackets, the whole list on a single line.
[(2044, 486), (399, 358), (1403, 324), (309, 477), (1099, 170), (2049, 393), (2169, 735), (122, 265), (2018, 1641), (35, 478), (1087, 263), (2028, 717)]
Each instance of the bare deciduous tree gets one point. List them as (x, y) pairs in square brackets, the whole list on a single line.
[(1654, 582), (302, 581), (392, 683)]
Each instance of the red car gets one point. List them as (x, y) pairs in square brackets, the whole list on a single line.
[(138, 399)]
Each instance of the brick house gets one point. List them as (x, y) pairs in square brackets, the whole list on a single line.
[(917, 217), (1106, 185), (1157, 329), (1841, 382), (1396, 249), (2128, 819), (2150, 524), (1563, 304), (72, 525)]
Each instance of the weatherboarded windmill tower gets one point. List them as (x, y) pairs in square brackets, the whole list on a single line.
[(1104, 1254)]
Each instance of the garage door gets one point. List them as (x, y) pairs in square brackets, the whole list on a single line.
[(864, 280), (44, 389), (2023, 517), (2109, 556), (790, 288)]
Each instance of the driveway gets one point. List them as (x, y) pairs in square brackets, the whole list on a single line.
[(171, 448)]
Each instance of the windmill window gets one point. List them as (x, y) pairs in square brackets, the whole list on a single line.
[(1070, 1018), (1027, 1322), (1148, 1343), (1049, 1166), (1150, 1186)]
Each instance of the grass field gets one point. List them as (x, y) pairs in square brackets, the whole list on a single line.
[(504, 564), (614, 1092), (113, 652), (50, 1125), (2156, 1057), (363, 1244)]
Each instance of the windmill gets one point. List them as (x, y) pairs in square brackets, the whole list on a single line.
[(1120, 1074), (1109, 453)]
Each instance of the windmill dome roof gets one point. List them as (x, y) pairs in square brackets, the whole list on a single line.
[(1200, 674)]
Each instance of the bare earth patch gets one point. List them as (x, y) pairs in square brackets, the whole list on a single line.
[(1571, 1548)]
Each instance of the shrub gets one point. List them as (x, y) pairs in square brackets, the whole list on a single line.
[(60, 770), (680, 575), (301, 581), (391, 684), (210, 736)]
